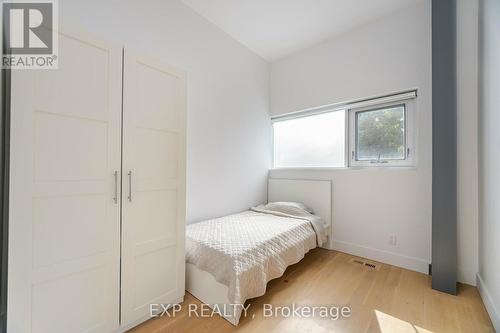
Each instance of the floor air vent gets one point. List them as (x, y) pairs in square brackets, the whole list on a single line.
[(366, 264)]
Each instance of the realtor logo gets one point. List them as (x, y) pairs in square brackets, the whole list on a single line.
[(30, 34)]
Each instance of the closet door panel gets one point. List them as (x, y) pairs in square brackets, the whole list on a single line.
[(64, 250), (154, 215)]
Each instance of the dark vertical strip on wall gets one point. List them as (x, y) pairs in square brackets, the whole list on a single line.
[(4, 188), (444, 146), (4, 194)]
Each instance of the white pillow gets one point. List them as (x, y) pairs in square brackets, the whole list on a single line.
[(291, 208)]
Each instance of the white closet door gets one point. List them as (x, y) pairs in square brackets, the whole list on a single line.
[(153, 217), (64, 249)]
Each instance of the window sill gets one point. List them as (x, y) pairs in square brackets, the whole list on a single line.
[(308, 168), (350, 168)]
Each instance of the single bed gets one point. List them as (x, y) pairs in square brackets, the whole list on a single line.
[(231, 259)]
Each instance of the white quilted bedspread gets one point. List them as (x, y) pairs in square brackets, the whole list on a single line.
[(244, 251)]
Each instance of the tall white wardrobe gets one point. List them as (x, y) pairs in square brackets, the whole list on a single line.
[(97, 190)]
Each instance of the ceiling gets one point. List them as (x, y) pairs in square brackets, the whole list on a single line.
[(277, 28)]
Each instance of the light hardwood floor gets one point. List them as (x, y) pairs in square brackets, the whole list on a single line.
[(385, 299)]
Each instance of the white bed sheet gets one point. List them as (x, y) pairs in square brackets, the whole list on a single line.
[(245, 251)]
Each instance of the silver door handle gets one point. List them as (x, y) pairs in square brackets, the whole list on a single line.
[(115, 198), (130, 186)]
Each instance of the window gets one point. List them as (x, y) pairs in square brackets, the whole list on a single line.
[(380, 135), (363, 133), (317, 140)]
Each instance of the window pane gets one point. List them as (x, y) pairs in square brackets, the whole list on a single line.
[(314, 141), (380, 134)]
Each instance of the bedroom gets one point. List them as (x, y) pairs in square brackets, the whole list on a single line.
[(282, 161)]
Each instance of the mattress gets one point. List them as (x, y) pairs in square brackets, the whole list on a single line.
[(244, 251)]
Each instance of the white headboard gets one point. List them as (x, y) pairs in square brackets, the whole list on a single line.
[(316, 194)]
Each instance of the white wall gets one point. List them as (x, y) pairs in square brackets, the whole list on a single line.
[(489, 158), (228, 121), (384, 56), (467, 139)]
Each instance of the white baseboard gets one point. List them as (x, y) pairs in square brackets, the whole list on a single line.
[(489, 303), (391, 258)]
